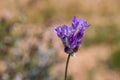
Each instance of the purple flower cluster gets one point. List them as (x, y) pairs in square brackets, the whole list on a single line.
[(72, 36)]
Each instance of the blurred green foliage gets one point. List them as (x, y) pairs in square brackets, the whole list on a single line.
[(104, 34), (6, 41), (114, 60)]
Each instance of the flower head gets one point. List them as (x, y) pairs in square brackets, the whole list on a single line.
[(72, 36)]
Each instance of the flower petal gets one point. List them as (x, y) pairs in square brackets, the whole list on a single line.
[(58, 31), (65, 30), (75, 22), (68, 50), (71, 31), (83, 24)]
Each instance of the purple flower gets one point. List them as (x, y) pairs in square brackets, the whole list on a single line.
[(72, 36)]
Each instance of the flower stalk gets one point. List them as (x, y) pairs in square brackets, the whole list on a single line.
[(67, 64)]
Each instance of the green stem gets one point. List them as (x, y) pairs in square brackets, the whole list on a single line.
[(66, 69)]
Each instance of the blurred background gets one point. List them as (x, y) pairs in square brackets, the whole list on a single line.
[(30, 50)]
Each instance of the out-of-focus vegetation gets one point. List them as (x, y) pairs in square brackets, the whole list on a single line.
[(114, 60), (104, 34), (29, 49)]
